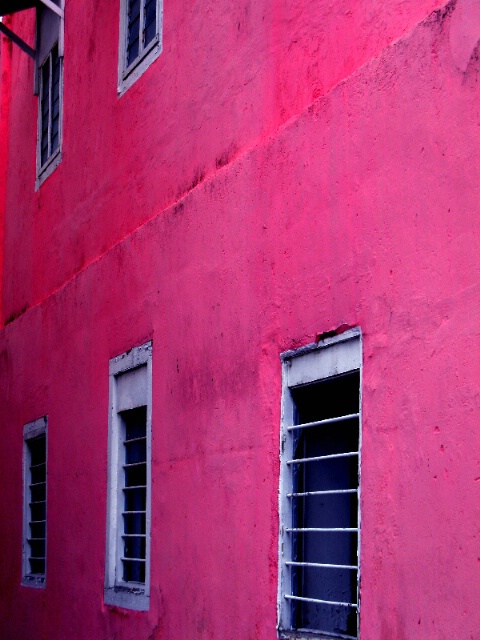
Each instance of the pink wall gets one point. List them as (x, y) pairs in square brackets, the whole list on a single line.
[(363, 209), (5, 70), (226, 79)]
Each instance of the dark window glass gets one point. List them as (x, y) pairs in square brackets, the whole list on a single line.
[(150, 18), (141, 27), (133, 571), (329, 398), (55, 123), (133, 30), (37, 449), (135, 491), (45, 111)]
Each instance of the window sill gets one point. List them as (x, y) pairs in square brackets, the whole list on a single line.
[(138, 67), (127, 598), (311, 635), (34, 582), (48, 169)]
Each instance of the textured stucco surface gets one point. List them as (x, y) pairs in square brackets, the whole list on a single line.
[(229, 75), (362, 209)]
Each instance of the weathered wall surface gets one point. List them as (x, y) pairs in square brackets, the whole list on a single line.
[(229, 75), (362, 210)]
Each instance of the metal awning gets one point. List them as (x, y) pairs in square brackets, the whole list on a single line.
[(8, 7)]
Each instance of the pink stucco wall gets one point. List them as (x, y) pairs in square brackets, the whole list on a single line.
[(362, 208), (229, 75)]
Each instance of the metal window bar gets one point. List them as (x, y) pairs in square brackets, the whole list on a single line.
[(124, 559), (353, 605), (321, 423), (144, 438), (331, 456), (321, 565), (321, 493), (320, 529)]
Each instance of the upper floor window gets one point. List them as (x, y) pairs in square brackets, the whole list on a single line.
[(50, 90), (319, 490), (140, 38)]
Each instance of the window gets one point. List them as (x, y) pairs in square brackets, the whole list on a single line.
[(50, 81), (35, 503), (140, 38), (319, 489), (127, 579)]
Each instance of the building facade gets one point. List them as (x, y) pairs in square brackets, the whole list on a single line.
[(240, 311)]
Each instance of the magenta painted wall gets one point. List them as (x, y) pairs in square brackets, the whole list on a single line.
[(236, 201)]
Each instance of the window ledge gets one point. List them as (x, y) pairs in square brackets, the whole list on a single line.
[(310, 635), (48, 169), (139, 66), (128, 598), (34, 582)]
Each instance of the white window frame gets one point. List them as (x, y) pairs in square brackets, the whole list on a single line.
[(128, 74), (310, 364), (134, 596), (30, 431), (48, 167)]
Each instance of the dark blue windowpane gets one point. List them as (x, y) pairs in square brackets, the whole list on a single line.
[(37, 548), (333, 397), (133, 571), (55, 109), (38, 448), (133, 30), (150, 20), (37, 566), (134, 546), (45, 111)]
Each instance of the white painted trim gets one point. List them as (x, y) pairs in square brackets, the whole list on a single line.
[(33, 430), (309, 364), (117, 592), (128, 76)]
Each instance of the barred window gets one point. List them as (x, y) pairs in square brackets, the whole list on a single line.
[(319, 484), (127, 579), (35, 504)]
